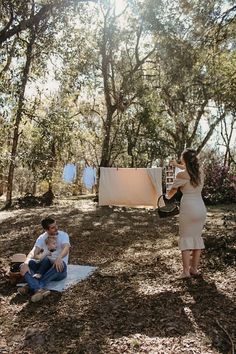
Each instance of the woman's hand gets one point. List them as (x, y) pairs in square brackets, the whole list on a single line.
[(176, 164), (171, 193), (173, 163)]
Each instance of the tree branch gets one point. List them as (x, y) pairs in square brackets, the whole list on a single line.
[(24, 24), (210, 132), (197, 121), (7, 32)]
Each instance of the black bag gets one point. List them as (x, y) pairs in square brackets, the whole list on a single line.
[(170, 209), (13, 275)]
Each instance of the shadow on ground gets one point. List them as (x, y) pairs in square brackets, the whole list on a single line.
[(133, 293)]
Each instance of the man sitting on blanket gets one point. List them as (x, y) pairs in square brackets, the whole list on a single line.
[(48, 270)]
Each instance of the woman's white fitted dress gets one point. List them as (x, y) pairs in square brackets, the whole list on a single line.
[(192, 215)]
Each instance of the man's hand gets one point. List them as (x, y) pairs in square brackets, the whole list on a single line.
[(58, 264), (24, 268)]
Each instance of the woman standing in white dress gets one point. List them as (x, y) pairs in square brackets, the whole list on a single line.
[(192, 211)]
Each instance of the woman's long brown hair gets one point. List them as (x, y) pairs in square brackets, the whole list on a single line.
[(192, 166)]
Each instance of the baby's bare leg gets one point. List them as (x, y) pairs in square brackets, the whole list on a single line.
[(37, 275)]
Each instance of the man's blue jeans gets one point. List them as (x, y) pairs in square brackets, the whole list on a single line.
[(48, 272)]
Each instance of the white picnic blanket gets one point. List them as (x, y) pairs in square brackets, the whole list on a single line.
[(75, 273)]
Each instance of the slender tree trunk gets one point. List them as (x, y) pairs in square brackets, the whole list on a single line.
[(19, 111), (227, 136), (34, 188), (105, 158), (49, 186), (1, 184), (210, 132), (181, 142), (52, 165)]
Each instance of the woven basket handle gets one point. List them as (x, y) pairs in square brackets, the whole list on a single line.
[(158, 201)]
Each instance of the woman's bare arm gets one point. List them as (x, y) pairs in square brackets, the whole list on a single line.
[(176, 164)]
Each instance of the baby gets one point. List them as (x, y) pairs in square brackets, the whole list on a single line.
[(51, 253)]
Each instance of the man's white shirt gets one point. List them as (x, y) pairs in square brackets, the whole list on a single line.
[(62, 239)]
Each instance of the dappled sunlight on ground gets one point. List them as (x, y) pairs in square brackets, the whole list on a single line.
[(139, 343), (134, 302)]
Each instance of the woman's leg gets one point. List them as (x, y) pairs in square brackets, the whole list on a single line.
[(196, 254), (186, 263)]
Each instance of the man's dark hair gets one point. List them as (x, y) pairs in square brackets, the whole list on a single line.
[(47, 222)]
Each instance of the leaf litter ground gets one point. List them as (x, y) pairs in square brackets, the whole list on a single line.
[(134, 302)]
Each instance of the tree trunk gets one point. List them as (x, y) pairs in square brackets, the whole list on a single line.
[(106, 141), (49, 186), (1, 184), (34, 188), (105, 158), (210, 132), (18, 120), (181, 142), (52, 165), (227, 136)]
